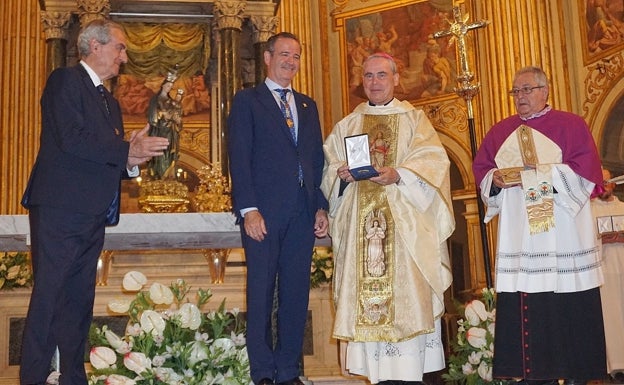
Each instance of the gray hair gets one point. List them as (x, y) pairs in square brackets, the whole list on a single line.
[(100, 30), (383, 55), (540, 76)]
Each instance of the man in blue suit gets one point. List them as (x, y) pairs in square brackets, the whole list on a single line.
[(73, 192), (276, 165)]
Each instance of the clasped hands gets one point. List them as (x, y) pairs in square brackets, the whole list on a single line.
[(387, 175), (144, 147)]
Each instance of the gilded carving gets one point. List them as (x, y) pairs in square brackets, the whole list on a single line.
[(264, 27), (229, 13), (89, 10), (449, 116), (55, 24), (600, 78)]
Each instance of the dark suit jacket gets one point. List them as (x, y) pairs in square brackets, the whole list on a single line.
[(82, 155), (264, 159)]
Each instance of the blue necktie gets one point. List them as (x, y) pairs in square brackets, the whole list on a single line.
[(101, 89), (283, 93)]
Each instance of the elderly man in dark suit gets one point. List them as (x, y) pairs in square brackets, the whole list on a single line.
[(72, 194), (276, 164)]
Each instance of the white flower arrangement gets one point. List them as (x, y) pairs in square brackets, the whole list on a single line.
[(168, 340), (471, 361)]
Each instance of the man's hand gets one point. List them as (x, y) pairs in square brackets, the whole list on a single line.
[(144, 147), (387, 175), (254, 225), (344, 174), (321, 223)]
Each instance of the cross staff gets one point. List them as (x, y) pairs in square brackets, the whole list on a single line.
[(467, 90)]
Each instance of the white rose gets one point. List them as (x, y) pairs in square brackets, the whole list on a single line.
[(134, 281)]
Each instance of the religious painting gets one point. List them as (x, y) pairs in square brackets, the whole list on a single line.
[(161, 51), (427, 66), (602, 31)]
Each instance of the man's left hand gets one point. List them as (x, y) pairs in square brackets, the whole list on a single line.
[(321, 223)]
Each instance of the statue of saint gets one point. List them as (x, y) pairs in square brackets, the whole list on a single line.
[(165, 119), (375, 234)]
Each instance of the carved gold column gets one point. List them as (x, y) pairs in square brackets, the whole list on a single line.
[(229, 16), (264, 28), (89, 10), (295, 16), (56, 28)]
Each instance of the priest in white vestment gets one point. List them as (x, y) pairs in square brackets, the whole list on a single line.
[(389, 236)]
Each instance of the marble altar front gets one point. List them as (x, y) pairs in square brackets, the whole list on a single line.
[(147, 232)]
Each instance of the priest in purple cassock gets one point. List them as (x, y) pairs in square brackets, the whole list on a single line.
[(537, 171)]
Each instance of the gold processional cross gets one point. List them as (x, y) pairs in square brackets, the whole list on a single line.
[(459, 28), (467, 90)]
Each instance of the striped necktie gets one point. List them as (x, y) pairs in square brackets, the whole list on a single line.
[(283, 93), (101, 90)]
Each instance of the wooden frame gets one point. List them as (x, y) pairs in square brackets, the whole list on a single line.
[(602, 31), (427, 67)]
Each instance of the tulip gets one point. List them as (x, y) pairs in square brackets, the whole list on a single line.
[(485, 371), (102, 357), (168, 375), (190, 316), (475, 312), (467, 368), (476, 337), (113, 339), (474, 358), (238, 339), (137, 362), (491, 328), (160, 294), (152, 322), (118, 379), (134, 281)]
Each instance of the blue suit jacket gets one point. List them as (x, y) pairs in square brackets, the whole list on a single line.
[(264, 159), (82, 155)]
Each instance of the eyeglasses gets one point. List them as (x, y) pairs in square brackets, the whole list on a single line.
[(524, 90)]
